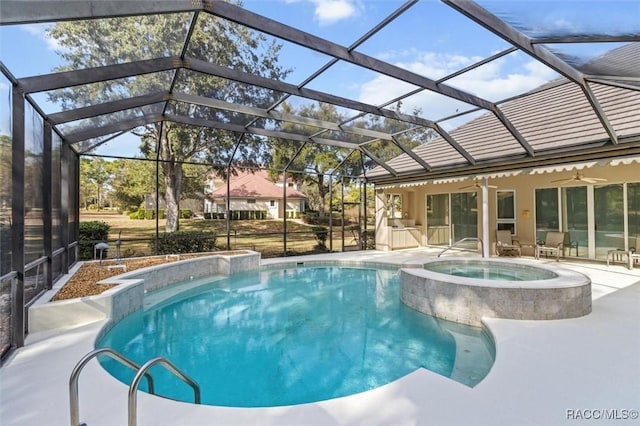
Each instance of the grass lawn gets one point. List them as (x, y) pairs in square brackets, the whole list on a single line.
[(265, 236)]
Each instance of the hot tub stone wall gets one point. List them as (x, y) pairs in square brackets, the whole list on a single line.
[(468, 304)]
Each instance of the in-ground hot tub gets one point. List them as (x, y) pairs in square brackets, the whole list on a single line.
[(465, 290)]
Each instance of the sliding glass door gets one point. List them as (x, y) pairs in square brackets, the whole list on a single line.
[(451, 217), (596, 218), (438, 229), (464, 215), (547, 217), (575, 220), (633, 208), (609, 219)]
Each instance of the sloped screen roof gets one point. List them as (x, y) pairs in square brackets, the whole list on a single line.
[(404, 107)]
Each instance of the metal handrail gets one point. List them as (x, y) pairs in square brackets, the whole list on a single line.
[(73, 380), (133, 388), (9, 276), (463, 240), (39, 261)]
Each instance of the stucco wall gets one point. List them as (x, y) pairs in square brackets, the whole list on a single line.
[(524, 184)]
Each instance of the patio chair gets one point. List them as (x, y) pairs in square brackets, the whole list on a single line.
[(618, 255), (570, 244), (506, 245), (553, 244)]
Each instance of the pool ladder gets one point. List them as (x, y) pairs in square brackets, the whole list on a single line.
[(463, 249), (141, 371)]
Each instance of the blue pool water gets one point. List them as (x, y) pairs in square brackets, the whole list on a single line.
[(490, 270), (290, 336)]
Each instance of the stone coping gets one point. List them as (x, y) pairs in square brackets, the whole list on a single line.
[(563, 277), (128, 295), (469, 300)]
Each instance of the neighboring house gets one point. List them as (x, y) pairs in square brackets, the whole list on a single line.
[(593, 195), (254, 192)]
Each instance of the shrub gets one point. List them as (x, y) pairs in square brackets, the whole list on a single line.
[(317, 220), (185, 242), (149, 214), (5, 241), (186, 214), (91, 233), (321, 234), (132, 209), (137, 215), (369, 237)]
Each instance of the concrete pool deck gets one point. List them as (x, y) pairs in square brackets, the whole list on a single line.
[(546, 373)]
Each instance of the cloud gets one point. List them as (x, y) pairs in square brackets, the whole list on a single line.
[(500, 79), (328, 12), (552, 26), (40, 31)]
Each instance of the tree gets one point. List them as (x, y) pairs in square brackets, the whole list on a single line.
[(130, 182), (5, 176), (320, 161), (406, 134), (94, 176), (103, 42), (5, 203), (315, 162)]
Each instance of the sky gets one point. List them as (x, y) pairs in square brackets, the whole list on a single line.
[(430, 39)]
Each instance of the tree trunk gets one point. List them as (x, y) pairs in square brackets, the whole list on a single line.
[(172, 170), (322, 192), (173, 185)]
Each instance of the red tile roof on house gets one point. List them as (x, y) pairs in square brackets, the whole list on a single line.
[(254, 185)]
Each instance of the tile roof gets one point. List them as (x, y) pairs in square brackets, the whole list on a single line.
[(254, 185), (554, 117)]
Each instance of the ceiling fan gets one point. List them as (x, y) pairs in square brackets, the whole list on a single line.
[(477, 184), (579, 178)]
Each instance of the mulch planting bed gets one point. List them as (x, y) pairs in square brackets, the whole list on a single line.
[(85, 281)]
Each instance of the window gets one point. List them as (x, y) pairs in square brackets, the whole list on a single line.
[(251, 200), (272, 203), (506, 210), (394, 206)]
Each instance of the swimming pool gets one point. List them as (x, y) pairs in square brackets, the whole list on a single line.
[(290, 336)]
